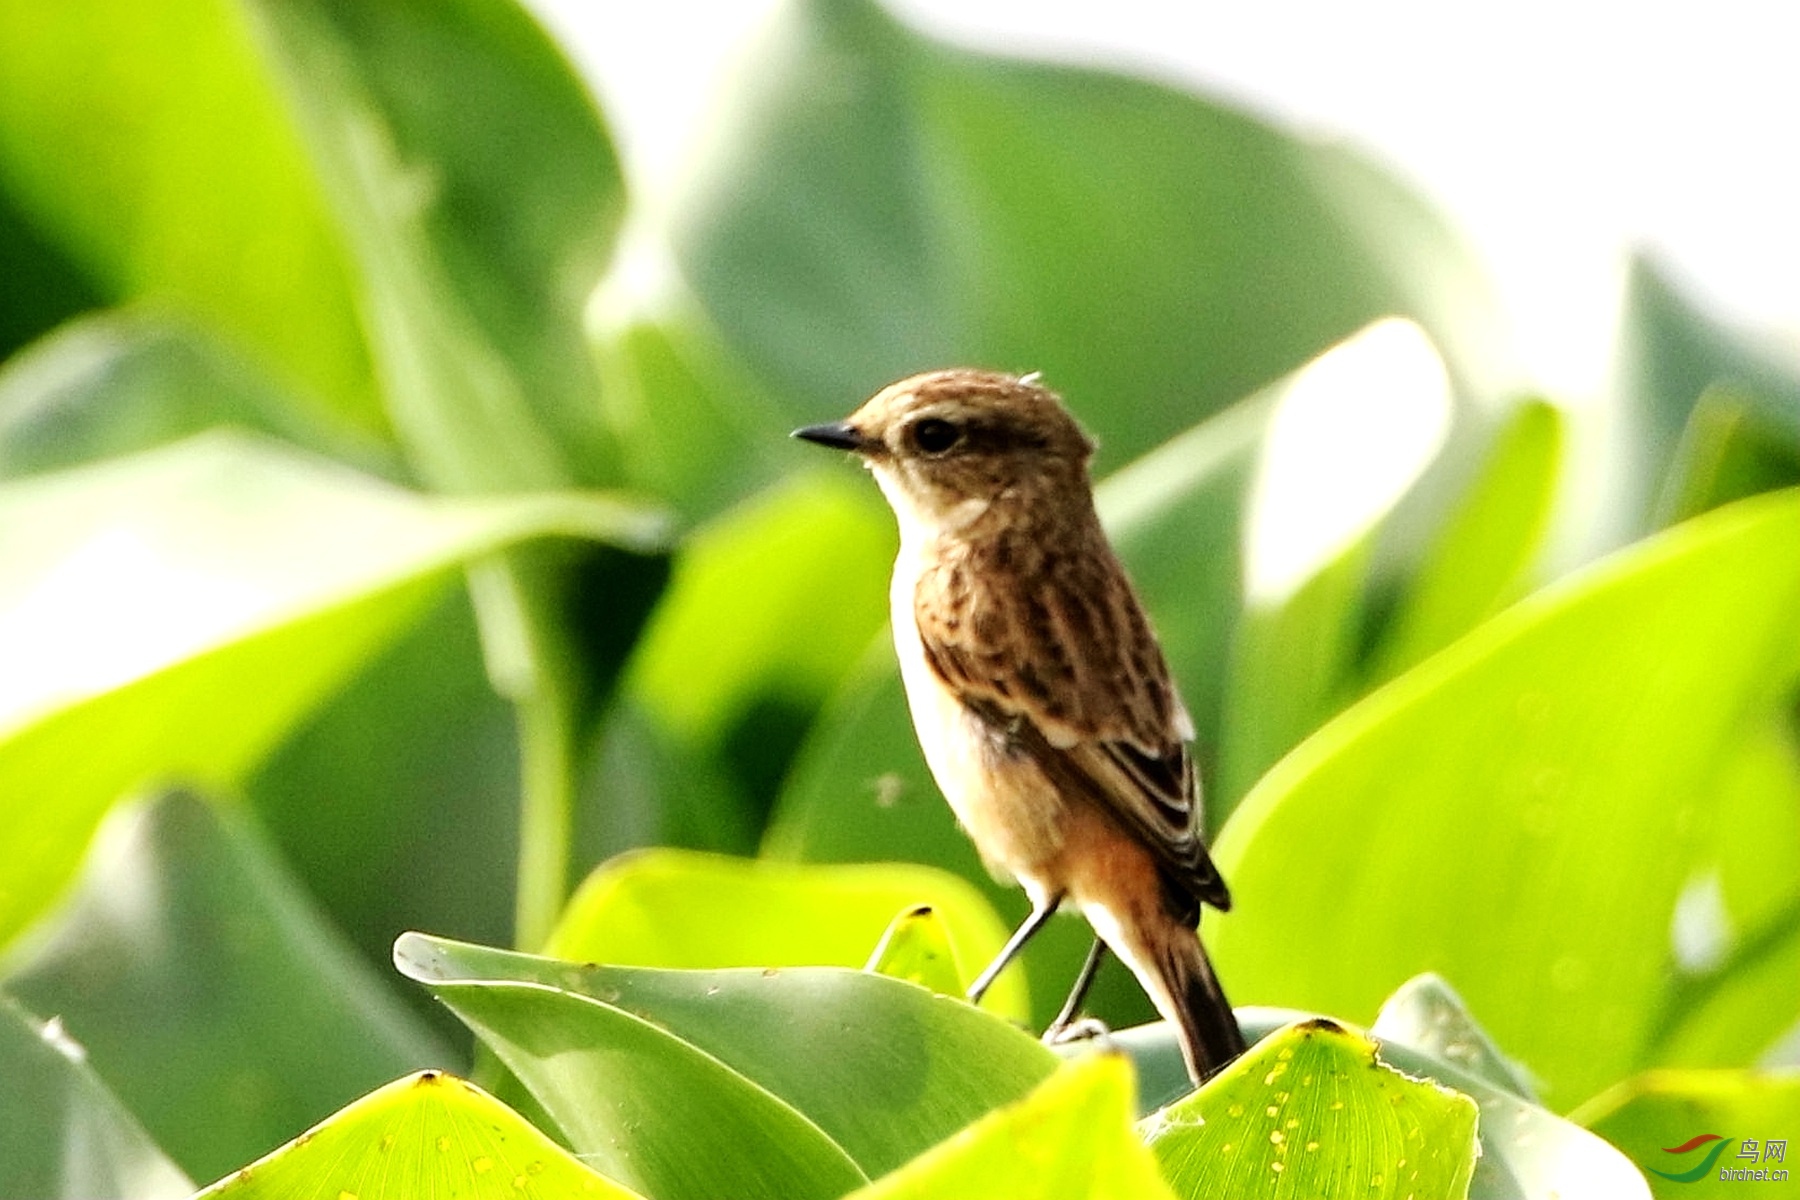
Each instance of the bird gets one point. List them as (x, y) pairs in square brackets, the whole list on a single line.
[(1038, 691)]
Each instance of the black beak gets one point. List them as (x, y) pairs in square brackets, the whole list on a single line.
[(839, 435)]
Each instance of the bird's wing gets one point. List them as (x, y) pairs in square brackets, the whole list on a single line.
[(1066, 666)]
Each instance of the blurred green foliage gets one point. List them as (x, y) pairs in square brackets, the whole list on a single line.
[(307, 316)]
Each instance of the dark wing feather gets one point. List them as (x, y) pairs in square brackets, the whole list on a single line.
[(1064, 663)]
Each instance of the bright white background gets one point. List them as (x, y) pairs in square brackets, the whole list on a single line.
[(1556, 133)]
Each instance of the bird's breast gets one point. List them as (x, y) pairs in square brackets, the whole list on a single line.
[(999, 794)]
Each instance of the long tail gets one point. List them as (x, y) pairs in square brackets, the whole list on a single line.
[(1195, 1002), (1164, 952)]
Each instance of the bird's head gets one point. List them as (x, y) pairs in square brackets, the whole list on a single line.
[(946, 446)]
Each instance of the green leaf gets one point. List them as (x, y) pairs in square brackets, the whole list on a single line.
[(698, 430), (1311, 1110), (428, 1134), (474, 276), (859, 789), (918, 947), (259, 580), (769, 607), (1351, 433), (1289, 671), (146, 145), (1736, 990), (358, 797), (207, 992), (1670, 354), (647, 1109), (1482, 558), (1653, 1118), (1071, 1139), (1734, 1012), (62, 1133), (1527, 1153), (45, 287), (1158, 255), (1546, 765), (1427, 1015), (472, 272), (119, 382), (673, 908), (417, 742), (646, 787), (760, 1082), (1730, 448), (777, 597)]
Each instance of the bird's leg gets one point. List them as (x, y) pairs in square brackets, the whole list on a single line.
[(1078, 993), (1024, 933)]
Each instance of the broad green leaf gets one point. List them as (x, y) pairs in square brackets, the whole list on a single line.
[(1071, 1139), (768, 608), (773, 598), (472, 272), (673, 908), (1427, 1015), (1736, 932), (258, 580), (647, 787), (473, 276), (1693, 1132), (429, 1134), (62, 1133), (1729, 449), (1311, 1110), (129, 380), (45, 287), (359, 796), (1670, 354), (918, 947), (145, 144), (1157, 254), (1735, 1012), (1350, 434), (1544, 766), (647, 1109), (860, 790), (417, 743), (1527, 1153), (207, 992), (774, 1081), (1482, 558), (1290, 667), (696, 428)]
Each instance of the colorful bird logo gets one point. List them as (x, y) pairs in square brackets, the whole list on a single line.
[(1688, 1147)]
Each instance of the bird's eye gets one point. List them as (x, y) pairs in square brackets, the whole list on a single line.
[(934, 435)]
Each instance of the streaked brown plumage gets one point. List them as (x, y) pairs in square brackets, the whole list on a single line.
[(1039, 693)]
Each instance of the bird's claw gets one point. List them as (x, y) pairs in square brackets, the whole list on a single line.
[(1085, 1030)]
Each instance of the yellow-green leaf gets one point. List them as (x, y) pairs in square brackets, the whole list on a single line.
[(679, 908), (428, 1134), (1312, 1111), (1071, 1139)]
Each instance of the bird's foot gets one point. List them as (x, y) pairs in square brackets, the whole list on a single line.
[(1085, 1030)]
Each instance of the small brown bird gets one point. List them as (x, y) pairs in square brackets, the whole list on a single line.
[(1040, 696)]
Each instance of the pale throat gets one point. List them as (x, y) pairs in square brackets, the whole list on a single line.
[(922, 521)]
